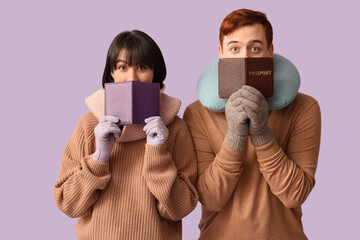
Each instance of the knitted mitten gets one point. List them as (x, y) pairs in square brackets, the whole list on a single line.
[(257, 110), (237, 133)]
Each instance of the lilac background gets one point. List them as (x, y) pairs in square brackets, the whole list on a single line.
[(52, 56)]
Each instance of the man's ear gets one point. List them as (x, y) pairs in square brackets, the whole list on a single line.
[(220, 51), (271, 49)]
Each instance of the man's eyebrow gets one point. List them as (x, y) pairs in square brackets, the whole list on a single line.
[(253, 41), (257, 41), (232, 42)]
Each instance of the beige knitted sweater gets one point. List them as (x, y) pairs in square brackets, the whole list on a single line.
[(142, 192), (256, 193)]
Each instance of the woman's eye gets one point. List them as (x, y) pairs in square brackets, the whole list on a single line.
[(122, 67), (234, 49), (141, 67)]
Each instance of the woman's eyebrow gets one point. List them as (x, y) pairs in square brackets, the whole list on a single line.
[(120, 60)]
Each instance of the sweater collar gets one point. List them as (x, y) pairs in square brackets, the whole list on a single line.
[(169, 108)]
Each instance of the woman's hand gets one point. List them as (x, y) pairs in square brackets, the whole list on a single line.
[(156, 131), (105, 133)]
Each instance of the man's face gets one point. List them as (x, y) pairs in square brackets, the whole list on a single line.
[(246, 41)]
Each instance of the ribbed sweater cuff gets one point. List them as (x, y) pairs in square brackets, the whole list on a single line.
[(155, 151), (158, 166), (97, 168), (229, 153), (159, 159), (268, 150)]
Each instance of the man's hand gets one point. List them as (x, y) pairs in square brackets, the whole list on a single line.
[(105, 133), (156, 131), (237, 133), (257, 110)]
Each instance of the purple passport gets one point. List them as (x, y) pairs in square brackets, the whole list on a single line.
[(132, 102)]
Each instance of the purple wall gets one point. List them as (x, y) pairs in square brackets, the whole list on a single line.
[(52, 57)]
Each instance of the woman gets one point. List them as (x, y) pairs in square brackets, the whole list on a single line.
[(132, 182)]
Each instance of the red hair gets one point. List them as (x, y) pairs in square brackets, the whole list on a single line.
[(243, 17)]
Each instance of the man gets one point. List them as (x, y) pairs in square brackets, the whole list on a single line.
[(256, 167)]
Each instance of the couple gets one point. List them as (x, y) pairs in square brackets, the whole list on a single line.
[(251, 168)]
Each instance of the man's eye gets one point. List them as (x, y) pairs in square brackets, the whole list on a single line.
[(254, 49), (234, 49)]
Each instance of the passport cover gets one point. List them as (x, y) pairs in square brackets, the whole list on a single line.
[(255, 72), (132, 102)]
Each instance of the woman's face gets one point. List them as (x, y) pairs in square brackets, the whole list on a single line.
[(124, 73)]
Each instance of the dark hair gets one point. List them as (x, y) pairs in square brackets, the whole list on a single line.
[(243, 17), (141, 49)]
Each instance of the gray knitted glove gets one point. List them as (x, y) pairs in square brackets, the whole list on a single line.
[(105, 133), (237, 133), (256, 108), (156, 131)]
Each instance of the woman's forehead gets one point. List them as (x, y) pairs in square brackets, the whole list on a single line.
[(132, 57)]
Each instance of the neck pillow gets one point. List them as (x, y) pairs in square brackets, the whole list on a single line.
[(286, 85)]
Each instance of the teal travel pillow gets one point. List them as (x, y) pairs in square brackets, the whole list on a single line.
[(286, 85)]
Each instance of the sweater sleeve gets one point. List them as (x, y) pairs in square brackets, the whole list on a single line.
[(290, 172), (81, 176), (218, 174), (171, 176)]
